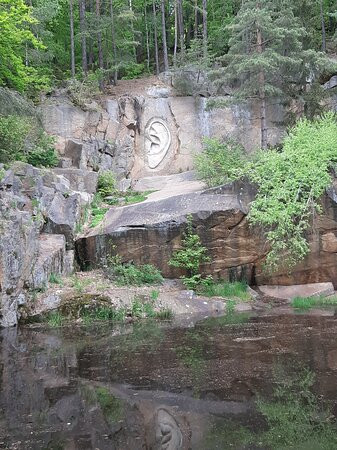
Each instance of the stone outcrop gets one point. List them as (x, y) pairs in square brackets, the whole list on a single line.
[(150, 232), (38, 216), (150, 131)]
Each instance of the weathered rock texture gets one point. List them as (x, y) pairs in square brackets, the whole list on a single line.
[(39, 213), (150, 232), (149, 131)]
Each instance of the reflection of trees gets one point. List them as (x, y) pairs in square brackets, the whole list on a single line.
[(293, 417)]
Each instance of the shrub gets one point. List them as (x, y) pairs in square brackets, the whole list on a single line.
[(220, 162), (190, 257), (129, 274), (106, 184), (43, 154), (290, 184), (22, 138)]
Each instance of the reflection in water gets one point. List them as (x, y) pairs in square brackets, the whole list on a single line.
[(215, 385)]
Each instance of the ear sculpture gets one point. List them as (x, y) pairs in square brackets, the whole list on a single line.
[(157, 142)]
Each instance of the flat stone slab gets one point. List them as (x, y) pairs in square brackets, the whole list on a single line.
[(298, 290)]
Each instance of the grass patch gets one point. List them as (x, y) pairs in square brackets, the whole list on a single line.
[(80, 284), (164, 314), (97, 215), (128, 274), (225, 289), (55, 278), (111, 406), (311, 302), (89, 309), (55, 319)]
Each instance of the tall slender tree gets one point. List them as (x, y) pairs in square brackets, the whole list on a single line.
[(163, 24), (72, 38), (155, 34), (83, 30), (114, 45)]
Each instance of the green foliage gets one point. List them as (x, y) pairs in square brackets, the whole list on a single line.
[(83, 91), (106, 184), (164, 314), (129, 274), (267, 57), (55, 278), (112, 407), (79, 284), (22, 139), (43, 154), (55, 319), (190, 257), (290, 184), (311, 302), (295, 416), (237, 289), (97, 215), (16, 35), (219, 162)]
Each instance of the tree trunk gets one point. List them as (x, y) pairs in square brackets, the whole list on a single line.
[(114, 47), (72, 42), (99, 35), (204, 27), (175, 33), (83, 29), (90, 41), (323, 27), (181, 26), (195, 19), (163, 24), (155, 37), (262, 94), (147, 40)]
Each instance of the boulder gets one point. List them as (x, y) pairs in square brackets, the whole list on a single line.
[(18, 252), (299, 290), (150, 232), (79, 180), (52, 258)]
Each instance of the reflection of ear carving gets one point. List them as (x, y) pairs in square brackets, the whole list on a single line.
[(168, 434), (157, 141)]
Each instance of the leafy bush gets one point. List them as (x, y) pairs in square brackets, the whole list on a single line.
[(190, 257), (22, 139), (43, 154), (106, 184), (220, 162), (290, 184), (81, 92), (129, 274)]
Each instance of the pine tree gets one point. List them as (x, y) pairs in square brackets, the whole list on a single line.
[(266, 55)]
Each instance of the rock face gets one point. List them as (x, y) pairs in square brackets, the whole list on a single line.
[(38, 216), (151, 131), (150, 232)]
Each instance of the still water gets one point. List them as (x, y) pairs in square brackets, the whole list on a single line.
[(234, 382)]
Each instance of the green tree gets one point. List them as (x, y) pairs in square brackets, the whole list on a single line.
[(15, 22), (266, 55), (190, 256)]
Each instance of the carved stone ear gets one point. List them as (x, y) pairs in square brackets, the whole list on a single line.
[(157, 142)]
